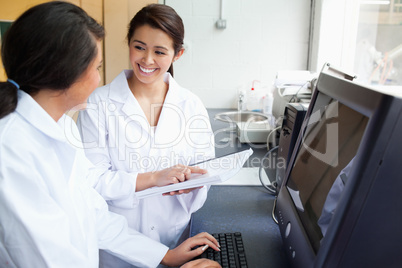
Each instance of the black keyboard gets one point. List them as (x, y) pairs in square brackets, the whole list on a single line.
[(232, 254)]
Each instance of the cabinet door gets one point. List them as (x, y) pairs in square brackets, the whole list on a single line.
[(117, 16)]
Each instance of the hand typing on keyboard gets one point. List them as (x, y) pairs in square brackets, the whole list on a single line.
[(189, 249), (232, 254)]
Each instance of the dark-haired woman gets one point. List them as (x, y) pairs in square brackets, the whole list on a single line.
[(49, 215), (141, 124)]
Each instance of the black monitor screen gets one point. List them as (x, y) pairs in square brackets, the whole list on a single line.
[(330, 142)]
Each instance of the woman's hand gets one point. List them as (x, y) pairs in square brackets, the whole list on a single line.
[(175, 174), (189, 249), (202, 263)]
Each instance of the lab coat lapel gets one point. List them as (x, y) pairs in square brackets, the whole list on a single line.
[(134, 112), (120, 92), (171, 124)]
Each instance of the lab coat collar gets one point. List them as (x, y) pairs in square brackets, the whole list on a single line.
[(33, 113), (173, 95), (120, 91)]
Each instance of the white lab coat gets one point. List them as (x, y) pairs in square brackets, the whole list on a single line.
[(120, 142), (49, 215)]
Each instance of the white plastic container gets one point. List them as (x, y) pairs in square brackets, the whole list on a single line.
[(253, 103), (254, 98), (268, 101)]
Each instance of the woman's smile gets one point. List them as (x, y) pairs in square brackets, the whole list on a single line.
[(147, 71)]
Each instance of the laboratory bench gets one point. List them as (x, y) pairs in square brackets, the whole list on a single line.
[(245, 209)]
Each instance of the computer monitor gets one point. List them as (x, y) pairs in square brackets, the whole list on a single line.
[(340, 204)]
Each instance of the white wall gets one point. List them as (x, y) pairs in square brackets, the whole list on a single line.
[(262, 37)]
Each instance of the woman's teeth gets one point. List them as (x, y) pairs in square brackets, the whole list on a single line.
[(145, 70)]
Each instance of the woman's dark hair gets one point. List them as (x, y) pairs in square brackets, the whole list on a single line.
[(48, 46), (161, 17)]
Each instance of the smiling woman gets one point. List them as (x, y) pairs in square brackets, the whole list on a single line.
[(144, 112), (151, 56), (166, 20)]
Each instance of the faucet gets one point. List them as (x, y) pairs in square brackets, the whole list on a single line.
[(241, 104)]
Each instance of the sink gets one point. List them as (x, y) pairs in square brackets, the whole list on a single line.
[(241, 117), (251, 127)]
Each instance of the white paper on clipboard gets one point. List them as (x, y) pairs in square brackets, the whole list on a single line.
[(219, 170)]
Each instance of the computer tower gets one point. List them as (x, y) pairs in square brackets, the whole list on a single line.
[(293, 119)]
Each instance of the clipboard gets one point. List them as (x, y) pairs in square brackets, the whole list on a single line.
[(219, 170)]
